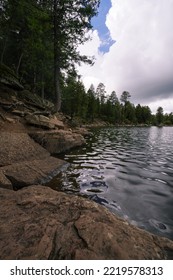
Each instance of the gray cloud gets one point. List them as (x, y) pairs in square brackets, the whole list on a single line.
[(141, 60)]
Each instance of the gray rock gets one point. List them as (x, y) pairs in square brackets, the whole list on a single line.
[(40, 223)]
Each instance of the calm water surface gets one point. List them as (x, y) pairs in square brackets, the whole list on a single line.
[(130, 171)]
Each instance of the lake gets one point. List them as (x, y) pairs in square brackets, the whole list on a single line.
[(130, 171)]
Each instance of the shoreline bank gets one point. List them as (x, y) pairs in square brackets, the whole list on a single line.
[(37, 222)]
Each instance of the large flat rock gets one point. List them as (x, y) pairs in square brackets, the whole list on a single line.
[(18, 147), (24, 162), (40, 223), (30, 172), (58, 141)]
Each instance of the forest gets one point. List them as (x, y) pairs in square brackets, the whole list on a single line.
[(39, 41)]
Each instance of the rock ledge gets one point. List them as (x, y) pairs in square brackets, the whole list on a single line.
[(45, 224)]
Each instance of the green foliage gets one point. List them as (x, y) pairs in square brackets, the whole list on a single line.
[(88, 106), (74, 98), (129, 113), (143, 114), (5, 71), (39, 39), (159, 116), (125, 96), (39, 42)]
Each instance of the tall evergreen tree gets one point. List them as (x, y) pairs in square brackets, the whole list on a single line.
[(159, 115), (113, 98), (72, 20), (125, 96), (36, 32), (92, 103)]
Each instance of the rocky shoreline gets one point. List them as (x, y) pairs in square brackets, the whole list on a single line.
[(40, 223), (37, 222)]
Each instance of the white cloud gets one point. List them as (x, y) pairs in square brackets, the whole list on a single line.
[(166, 104), (141, 60)]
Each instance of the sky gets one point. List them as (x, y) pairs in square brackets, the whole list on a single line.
[(132, 41)]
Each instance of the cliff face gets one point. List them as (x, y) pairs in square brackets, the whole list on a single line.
[(39, 223)]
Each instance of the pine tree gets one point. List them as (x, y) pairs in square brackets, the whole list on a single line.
[(71, 21), (39, 36), (159, 116)]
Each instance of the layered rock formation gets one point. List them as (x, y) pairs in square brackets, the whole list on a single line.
[(26, 112)]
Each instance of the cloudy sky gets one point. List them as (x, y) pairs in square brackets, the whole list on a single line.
[(132, 43)]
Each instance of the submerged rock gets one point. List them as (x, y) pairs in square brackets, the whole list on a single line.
[(40, 223)]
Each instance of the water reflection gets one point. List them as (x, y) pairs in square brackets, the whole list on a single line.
[(128, 170)]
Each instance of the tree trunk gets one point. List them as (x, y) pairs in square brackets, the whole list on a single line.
[(34, 80), (56, 61), (3, 51), (57, 88), (42, 85), (19, 63)]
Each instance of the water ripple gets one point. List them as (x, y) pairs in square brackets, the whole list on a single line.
[(130, 171)]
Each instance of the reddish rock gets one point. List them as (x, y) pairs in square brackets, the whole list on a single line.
[(58, 124), (18, 147), (40, 121), (4, 182), (31, 172), (40, 223), (23, 162), (58, 141)]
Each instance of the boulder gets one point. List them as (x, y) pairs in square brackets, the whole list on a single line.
[(58, 124), (18, 147), (23, 162), (44, 121), (27, 173), (83, 131), (58, 141), (40, 223), (39, 120)]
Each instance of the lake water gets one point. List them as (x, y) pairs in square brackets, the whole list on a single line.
[(128, 170)]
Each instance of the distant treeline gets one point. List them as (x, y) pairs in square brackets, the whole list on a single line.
[(96, 103)]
